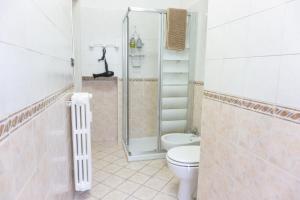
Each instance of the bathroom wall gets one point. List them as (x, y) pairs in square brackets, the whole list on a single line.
[(251, 111), (143, 108), (40, 37), (101, 22), (36, 77), (104, 105)]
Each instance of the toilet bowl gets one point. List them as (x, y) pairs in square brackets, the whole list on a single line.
[(172, 140), (183, 161)]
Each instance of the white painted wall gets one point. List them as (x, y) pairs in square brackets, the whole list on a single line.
[(35, 48), (253, 50), (101, 22)]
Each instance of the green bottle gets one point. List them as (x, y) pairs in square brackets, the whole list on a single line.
[(132, 42)]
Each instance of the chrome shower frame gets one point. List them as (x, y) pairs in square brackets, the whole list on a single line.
[(126, 86)]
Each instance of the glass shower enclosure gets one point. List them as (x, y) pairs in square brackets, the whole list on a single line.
[(157, 97)]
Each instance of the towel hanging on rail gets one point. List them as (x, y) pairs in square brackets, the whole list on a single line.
[(176, 29)]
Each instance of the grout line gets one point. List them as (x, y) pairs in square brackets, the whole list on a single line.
[(33, 51), (51, 21), (257, 56), (249, 15), (147, 164)]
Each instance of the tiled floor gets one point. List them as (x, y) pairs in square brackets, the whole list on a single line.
[(116, 179)]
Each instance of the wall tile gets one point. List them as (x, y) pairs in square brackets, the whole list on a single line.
[(233, 76), (217, 13), (238, 9), (246, 154), (104, 109), (291, 38), (197, 107), (39, 151), (215, 47), (257, 5), (210, 123), (283, 146), (236, 38), (7, 172), (213, 75), (23, 151), (261, 78), (289, 82), (265, 36), (38, 57), (254, 131)]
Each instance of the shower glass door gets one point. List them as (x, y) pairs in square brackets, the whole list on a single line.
[(157, 92), (142, 82)]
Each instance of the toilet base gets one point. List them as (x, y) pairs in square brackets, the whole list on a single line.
[(187, 189)]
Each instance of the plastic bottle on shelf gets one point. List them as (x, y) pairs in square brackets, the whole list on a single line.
[(132, 42), (139, 43)]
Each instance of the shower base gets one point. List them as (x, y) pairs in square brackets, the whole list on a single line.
[(143, 149)]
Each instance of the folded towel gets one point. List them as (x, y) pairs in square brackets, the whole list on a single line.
[(176, 29)]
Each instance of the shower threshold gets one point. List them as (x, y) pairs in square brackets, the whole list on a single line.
[(144, 148)]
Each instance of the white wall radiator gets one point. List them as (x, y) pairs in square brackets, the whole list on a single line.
[(81, 136)]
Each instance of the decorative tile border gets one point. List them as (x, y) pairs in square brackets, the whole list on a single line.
[(201, 83), (90, 78), (155, 79), (256, 106), (141, 79), (18, 119)]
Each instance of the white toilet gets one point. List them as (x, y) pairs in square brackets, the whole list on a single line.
[(183, 161)]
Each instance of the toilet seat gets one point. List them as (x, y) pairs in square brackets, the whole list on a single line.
[(185, 156)]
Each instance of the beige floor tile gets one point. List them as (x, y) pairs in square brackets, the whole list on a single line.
[(119, 153), (101, 176), (114, 178), (145, 193), (112, 168), (149, 170), (132, 198), (125, 173), (164, 173), (171, 189), (99, 155), (128, 187), (113, 181), (156, 183), (115, 195), (158, 163), (110, 149), (83, 196), (139, 178), (100, 190), (136, 165), (164, 197), (122, 162), (110, 158), (95, 169), (95, 149), (100, 164), (174, 180), (86, 198), (94, 182)]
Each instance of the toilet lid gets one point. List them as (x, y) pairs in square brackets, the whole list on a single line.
[(184, 155)]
